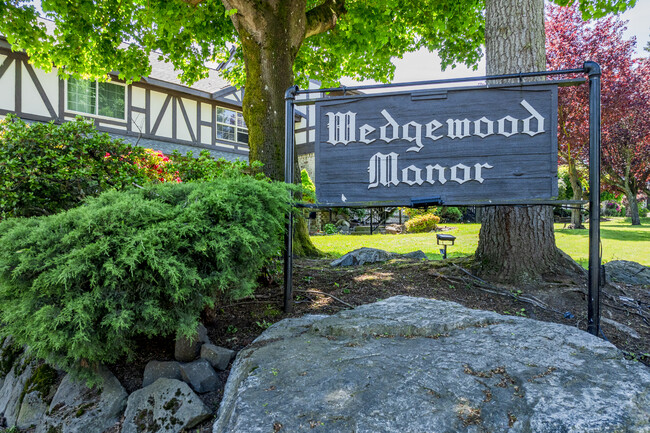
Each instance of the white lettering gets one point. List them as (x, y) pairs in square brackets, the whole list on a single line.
[(502, 126), (534, 115), (477, 171), (489, 127), (363, 133), (416, 171), (458, 128), (382, 170), (417, 137), (432, 126), (441, 174), (392, 124), (466, 174), (342, 127)]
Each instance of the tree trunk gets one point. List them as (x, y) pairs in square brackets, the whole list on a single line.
[(516, 244), (271, 34), (633, 205), (576, 186)]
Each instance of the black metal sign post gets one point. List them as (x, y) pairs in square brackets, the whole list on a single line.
[(593, 308), (439, 146)]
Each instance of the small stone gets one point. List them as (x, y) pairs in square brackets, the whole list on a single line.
[(218, 357), (200, 376), (157, 369), (166, 406), (187, 350), (373, 255)]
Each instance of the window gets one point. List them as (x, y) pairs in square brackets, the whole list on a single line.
[(231, 126), (92, 97)]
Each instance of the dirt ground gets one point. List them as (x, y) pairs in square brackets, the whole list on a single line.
[(321, 289)]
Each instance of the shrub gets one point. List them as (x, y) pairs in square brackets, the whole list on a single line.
[(330, 229), (308, 187), (422, 223), (81, 286), (449, 214), (46, 168)]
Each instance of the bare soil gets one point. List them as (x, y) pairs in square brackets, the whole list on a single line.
[(321, 289)]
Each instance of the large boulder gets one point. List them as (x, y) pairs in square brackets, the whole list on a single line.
[(624, 271), (417, 365), (365, 255), (11, 392), (166, 406), (76, 408)]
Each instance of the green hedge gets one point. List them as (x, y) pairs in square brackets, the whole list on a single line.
[(80, 286)]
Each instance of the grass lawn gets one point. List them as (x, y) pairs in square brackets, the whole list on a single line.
[(620, 240)]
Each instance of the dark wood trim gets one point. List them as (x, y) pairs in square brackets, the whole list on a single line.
[(5, 48), (174, 117), (40, 90), (61, 99), (198, 121), (97, 119), (179, 141), (27, 116), (129, 115), (160, 115), (187, 119), (214, 125), (170, 91), (18, 85), (138, 109), (302, 149), (5, 65), (147, 109)]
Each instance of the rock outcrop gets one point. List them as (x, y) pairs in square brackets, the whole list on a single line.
[(76, 408), (624, 271), (417, 365), (374, 255)]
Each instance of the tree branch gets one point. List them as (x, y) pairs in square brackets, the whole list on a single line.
[(324, 17)]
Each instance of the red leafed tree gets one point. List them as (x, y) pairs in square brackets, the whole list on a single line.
[(626, 139), (569, 42)]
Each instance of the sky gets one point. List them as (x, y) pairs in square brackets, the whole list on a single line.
[(423, 65)]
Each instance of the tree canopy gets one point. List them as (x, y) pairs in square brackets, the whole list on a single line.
[(342, 38)]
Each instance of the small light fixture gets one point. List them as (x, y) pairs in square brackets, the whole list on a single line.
[(445, 240)]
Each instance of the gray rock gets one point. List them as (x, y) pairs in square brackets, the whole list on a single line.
[(12, 388), (218, 357), (157, 369), (188, 349), (624, 271), (373, 255), (200, 376), (32, 410), (416, 365), (166, 406), (76, 408)]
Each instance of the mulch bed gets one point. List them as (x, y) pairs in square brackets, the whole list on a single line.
[(321, 289)]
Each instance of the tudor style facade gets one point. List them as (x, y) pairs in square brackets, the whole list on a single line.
[(156, 112)]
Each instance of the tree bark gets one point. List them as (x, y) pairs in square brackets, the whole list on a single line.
[(517, 244), (271, 34), (576, 186), (632, 204)]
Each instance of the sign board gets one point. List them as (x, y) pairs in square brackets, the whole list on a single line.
[(455, 147)]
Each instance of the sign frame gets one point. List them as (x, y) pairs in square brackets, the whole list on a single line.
[(590, 69)]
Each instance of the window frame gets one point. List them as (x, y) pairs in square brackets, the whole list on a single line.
[(99, 116), (236, 127)]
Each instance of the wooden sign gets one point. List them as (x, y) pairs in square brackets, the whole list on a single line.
[(453, 147)]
